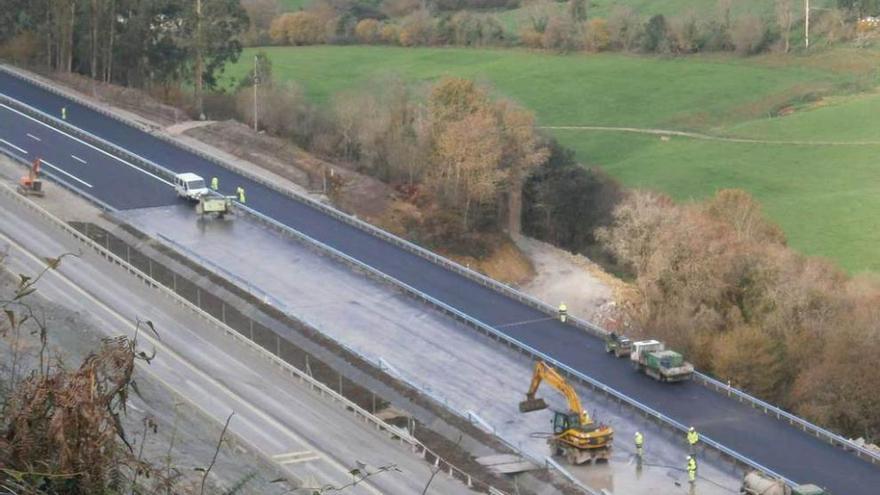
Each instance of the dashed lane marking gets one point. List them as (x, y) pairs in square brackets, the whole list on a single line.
[(35, 138), (120, 160), (78, 159)]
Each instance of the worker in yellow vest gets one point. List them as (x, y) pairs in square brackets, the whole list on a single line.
[(640, 442), (563, 312), (64, 113), (215, 183), (241, 197), (693, 437), (692, 469)]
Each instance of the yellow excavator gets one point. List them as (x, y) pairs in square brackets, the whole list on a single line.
[(575, 435)]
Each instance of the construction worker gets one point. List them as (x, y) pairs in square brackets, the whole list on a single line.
[(693, 437), (214, 183), (240, 191), (692, 469), (563, 312), (63, 113), (640, 442)]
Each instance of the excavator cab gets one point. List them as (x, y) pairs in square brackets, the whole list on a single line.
[(563, 422)]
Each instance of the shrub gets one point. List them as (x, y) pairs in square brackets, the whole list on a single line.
[(299, 28), (749, 35), (390, 33), (367, 31), (562, 34), (596, 36), (655, 37), (624, 28), (417, 29)]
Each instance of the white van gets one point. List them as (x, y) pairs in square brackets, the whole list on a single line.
[(189, 185)]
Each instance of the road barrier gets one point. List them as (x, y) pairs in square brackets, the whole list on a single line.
[(830, 437)]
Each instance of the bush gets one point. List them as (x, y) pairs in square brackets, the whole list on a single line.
[(562, 34), (299, 28), (367, 31), (655, 38), (21, 48), (596, 35), (531, 38), (390, 33), (417, 29), (749, 35), (624, 28), (284, 111)]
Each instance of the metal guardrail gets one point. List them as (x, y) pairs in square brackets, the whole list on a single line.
[(846, 444), (315, 385)]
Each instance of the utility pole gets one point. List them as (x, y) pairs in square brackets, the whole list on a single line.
[(807, 24), (256, 81), (199, 63)]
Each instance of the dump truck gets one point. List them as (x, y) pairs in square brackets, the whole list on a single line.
[(213, 202), (755, 483), (618, 345), (652, 358), (575, 435)]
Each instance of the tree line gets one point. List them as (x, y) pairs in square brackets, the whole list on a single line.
[(136, 43), (561, 26)]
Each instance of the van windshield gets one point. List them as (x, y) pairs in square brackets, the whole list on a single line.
[(195, 184)]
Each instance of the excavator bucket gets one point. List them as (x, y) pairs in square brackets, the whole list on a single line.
[(530, 405)]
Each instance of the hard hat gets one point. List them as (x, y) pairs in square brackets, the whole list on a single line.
[(688, 458), (691, 428)]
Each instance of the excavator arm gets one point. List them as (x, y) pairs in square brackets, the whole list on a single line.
[(544, 372)]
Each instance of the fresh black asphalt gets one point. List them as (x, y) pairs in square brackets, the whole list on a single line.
[(770, 442)]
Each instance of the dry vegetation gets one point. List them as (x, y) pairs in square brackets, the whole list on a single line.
[(717, 281)]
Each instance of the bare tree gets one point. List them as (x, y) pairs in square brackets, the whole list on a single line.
[(785, 19)]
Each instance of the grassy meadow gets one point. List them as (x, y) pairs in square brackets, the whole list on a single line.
[(826, 196)]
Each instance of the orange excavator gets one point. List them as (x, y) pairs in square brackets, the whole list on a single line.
[(31, 184), (575, 435)]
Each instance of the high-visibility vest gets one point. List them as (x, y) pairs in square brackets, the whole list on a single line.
[(692, 464), (693, 437), (640, 439)]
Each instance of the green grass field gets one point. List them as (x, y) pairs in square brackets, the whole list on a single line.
[(293, 5), (826, 197)]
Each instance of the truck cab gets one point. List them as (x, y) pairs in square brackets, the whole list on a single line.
[(618, 345), (190, 186)]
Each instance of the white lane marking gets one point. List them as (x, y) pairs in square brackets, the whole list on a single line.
[(35, 138), (7, 143), (90, 146), (78, 159), (296, 457), (65, 173), (164, 350)]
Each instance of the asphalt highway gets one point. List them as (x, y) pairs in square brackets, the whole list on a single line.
[(770, 442)]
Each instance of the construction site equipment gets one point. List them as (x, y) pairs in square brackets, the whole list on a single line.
[(214, 203), (618, 345), (652, 358), (190, 186), (31, 184), (755, 483), (575, 435)]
